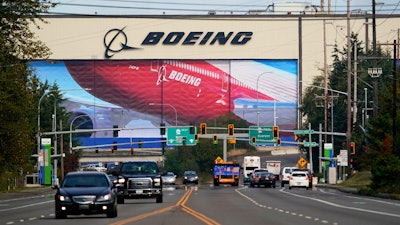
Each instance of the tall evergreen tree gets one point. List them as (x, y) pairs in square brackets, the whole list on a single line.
[(18, 45)]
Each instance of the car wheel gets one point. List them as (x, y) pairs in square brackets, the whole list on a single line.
[(120, 200), (159, 199), (60, 215), (113, 213), (274, 185), (290, 187), (282, 184)]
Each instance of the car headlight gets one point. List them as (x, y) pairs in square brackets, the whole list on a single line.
[(63, 198), (157, 181), (121, 180), (106, 197), (196, 177)]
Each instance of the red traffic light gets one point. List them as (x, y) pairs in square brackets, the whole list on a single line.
[(275, 132), (203, 128), (231, 129)]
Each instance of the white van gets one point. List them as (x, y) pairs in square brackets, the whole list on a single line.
[(285, 175)]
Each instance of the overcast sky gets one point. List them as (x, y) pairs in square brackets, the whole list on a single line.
[(179, 7)]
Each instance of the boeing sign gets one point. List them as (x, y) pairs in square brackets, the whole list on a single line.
[(116, 40)]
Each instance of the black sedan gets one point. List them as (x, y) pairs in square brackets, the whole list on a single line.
[(190, 177), (85, 193), (263, 178)]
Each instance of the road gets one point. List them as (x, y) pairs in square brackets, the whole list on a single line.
[(205, 204)]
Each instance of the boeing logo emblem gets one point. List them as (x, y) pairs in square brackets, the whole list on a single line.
[(113, 36), (116, 40)]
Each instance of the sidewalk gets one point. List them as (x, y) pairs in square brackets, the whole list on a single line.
[(27, 192)]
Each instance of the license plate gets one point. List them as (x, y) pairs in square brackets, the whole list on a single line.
[(83, 207), (298, 183), (139, 192)]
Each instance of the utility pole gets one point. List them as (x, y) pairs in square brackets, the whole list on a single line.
[(374, 63), (326, 97), (348, 132)]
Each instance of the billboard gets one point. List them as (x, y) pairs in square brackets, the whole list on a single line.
[(141, 93)]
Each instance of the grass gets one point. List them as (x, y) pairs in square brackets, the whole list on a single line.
[(358, 180)]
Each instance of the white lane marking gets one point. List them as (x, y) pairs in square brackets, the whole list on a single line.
[(340, 206), (278, 209), (365, 199), (25, 206)]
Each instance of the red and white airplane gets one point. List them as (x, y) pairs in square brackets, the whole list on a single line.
[(197, 90)]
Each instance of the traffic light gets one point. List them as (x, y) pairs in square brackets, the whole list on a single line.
[(253, 140), (215, 139), (115, 145), (196, 137), (203, 128), (278, 142), (352, 148), (231, 129), (184, 141), (115, 132), (162, 128), (191, 129), (275, 132)]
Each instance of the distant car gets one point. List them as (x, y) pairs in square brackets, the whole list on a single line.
[(285, 175), (260, 170), (85, 193), (299, 179), (169, 178), (263, 178), (308, 173), (190, 177)]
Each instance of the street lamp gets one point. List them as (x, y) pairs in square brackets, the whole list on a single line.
[(176, 113), (70, 131), (258, 113)]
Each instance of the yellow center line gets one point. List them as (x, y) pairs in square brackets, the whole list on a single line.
[(181, 203)]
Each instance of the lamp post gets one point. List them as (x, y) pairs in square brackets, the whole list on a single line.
[(176, 112), (70, 131), (54, 118), (258, 113)]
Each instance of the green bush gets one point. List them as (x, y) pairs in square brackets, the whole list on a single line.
[(385, 174)]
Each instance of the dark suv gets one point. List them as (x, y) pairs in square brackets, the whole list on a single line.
[(139, 179)]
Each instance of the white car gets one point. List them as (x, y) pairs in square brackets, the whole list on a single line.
[(285, 175), (299, 179), (169, 178)]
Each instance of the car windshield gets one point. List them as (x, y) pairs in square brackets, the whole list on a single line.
[(190, 173), (299, 174), (261, 173), (94, 180), (139, 168)]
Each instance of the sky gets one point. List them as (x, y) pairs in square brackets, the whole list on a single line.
[(220, 7)]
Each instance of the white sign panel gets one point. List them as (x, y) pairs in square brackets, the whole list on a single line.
[(342, 158)]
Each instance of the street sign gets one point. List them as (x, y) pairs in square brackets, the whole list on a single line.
[(261, 134), (302, 162), (342, 158), (177, 135), (307, 144), (303, 132)]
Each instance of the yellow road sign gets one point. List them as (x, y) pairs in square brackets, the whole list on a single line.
[(302, 162)]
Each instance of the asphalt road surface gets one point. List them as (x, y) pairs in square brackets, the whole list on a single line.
[(205, 204)]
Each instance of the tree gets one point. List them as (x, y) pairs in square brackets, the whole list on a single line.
[(18, 45), (375, 140)]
